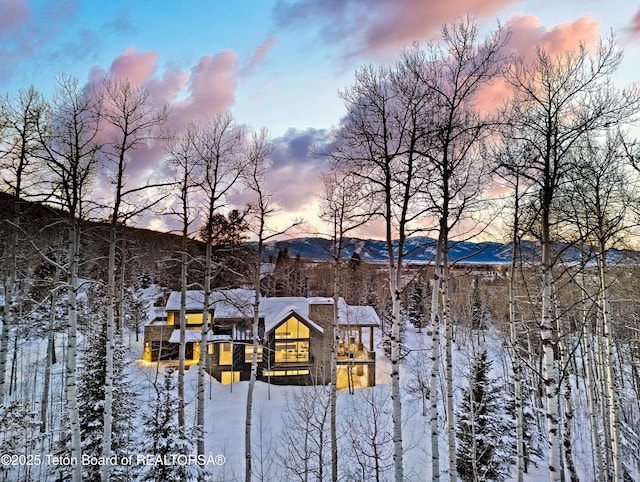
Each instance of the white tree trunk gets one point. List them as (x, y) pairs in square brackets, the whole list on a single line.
[(72, 351), (254, 357), (601, 375), (587, 334), (334, 367), (203, 354), (396, 403), (253, 376), (182, 322), (435, 364), (549, 368), (448, 327), (44, 400), (614, 410), (516, 364), (9, 298), (4, 339), (568, 407)]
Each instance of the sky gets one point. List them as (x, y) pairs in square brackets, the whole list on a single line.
[(277, 64)]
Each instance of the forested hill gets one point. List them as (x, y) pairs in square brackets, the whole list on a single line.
[(418, 249)]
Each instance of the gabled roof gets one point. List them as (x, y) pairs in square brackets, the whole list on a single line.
[(235, 303), (272, 319), (238, 303)]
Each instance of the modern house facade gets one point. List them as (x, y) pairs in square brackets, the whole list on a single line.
[(294, 333)]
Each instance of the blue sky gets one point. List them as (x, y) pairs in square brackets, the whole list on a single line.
[(274, 63)]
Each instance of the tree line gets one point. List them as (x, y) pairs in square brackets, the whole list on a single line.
[(416, 152), (421, 154)]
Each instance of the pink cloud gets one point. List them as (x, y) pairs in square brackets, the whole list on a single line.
[(380, 27), (135, 66), (13, 13), (191, 95), (167, 88), (407, 20), (259, 55), (211, 88), (635, 23), (207, 89), (528, 32)]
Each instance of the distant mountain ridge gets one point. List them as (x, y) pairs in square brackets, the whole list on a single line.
[(418, 249), (421, 249)]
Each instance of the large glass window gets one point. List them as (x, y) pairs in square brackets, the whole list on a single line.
[(292, 351), (248, 353), (226, 354), (292, 328), (292, 342)]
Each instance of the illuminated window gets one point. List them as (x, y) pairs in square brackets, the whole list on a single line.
[(292, 328), (226, 354), (248, 353), (194, 319), (292, 351), (284, 373), (229, 377)]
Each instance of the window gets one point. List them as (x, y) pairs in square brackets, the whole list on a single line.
[(292, 328), (292, 351), (226, 354), (248, 353), (292, 342)]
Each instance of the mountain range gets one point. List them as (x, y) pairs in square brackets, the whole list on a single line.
[(421, 249)]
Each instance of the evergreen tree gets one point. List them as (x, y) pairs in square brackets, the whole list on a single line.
[(18, 437), (484, 449), (164, 438), (91, 395)]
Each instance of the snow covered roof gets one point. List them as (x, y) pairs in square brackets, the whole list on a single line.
[(156, 314), (238, 303), (235, 303), (276, 310), (364, 316), (191, 336)]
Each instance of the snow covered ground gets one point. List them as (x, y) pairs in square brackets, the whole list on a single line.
[(273, 406), (225, 414)]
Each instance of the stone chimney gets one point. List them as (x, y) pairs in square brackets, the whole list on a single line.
[(321, 312)]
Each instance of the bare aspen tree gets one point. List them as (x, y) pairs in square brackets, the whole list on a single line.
[(258, 152), (453, 74), (368, 436), (179, 149), (376, 142), (344, 213), (69, 141), (129, 122), (19, 119), (512, 155), (602, 196), (216, 153), (557, 101), (304, 434)]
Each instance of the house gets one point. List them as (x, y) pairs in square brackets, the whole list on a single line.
[(295, 336)]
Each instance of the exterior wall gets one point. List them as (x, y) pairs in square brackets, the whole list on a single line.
[(322, 313), (154, 334), (317, 370)]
